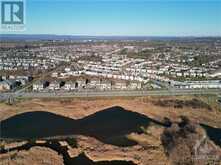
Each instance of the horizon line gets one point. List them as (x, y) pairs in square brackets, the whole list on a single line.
[(86, 35)]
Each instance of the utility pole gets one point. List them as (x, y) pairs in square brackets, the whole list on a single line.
[(10, 100)]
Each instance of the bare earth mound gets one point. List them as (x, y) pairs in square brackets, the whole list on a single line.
[(34, 156)]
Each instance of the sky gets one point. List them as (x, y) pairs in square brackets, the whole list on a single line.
[(124, 17)]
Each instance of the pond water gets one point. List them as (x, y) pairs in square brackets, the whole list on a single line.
[(213, 133), (109, 126)]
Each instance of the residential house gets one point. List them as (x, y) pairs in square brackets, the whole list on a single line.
[(7, 85), (40, 86), (120, 85), (70, 85), (56, 85), (81, 83), (105, 85), (134, 85)]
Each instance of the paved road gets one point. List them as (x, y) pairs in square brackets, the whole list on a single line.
[(118, 93), (174, 92)]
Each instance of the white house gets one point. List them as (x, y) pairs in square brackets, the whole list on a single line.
[(70, 85), (55, 85)]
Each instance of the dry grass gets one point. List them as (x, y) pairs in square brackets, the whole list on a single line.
[(79, 108), (35, 156), (149, 149)]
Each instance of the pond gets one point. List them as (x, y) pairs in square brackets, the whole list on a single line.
[(213, 133), (109, 126)]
